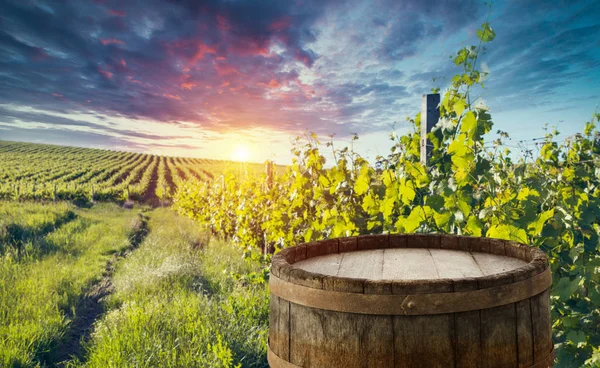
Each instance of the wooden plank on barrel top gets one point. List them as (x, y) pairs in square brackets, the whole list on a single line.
[(366, 264), (453, 264), (326, 265), (408, 264), (491, 264)]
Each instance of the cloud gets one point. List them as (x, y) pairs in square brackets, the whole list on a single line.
[(287, 66), (36, 119), (109, 41), (116, 13), (535, 59)]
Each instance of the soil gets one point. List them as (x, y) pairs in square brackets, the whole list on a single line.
[(149, 196)]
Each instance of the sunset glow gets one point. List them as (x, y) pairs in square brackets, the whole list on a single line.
[(241, 153), (207, 70)]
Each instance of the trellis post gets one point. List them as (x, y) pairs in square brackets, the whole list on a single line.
[(269, 172), (430, 114)]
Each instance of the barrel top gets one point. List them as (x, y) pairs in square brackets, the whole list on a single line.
[(410, 264)]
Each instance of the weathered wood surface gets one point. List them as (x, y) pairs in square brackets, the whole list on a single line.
[(424, 341), (410, 264), (410, 301), (368, 266), (279, 327), (353, 299), (542, 328), (355, 340)]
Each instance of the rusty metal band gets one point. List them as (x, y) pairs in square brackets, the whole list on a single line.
[(547, 362), (415, 304), (276, 362)]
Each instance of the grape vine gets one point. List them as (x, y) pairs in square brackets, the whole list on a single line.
[(469, 188)]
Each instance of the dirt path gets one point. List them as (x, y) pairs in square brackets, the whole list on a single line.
[(168, 177), (90, 308), (149, 196)]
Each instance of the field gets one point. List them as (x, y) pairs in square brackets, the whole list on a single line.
[(30, 171), (101, 285), (111, 287)]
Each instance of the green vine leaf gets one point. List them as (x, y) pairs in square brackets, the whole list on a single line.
[(486, 33)]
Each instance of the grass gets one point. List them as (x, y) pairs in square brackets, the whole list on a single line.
[(177, 300), (62, 251), (21, 224), (179, 303)]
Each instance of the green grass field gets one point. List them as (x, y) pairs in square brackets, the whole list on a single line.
[(112, 287)]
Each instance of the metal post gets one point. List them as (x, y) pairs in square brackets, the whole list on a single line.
[(430, 114)]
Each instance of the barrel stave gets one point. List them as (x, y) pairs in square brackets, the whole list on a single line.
[(354, 340), (524, 333), (542, 326), (498, 337), (424, 341), (279, 330)]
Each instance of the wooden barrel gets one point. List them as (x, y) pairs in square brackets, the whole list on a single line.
[(410, 301)]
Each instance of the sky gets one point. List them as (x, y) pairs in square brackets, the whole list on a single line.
[(206, 78)]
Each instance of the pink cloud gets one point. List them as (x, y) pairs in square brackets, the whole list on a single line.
[(116, 13), (251, 48), (108, 41), (182, 49), (309, 92), (302, 57), (226, 69), (272, 84), (223, 23), (105, 73), (280, 24), (188, 85), (173, 97), (202, 49), (130, 79), (120, 66)]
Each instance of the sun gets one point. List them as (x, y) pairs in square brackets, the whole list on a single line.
[(241, 153)]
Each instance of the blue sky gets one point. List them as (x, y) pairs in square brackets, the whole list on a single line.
[(201, 78)]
